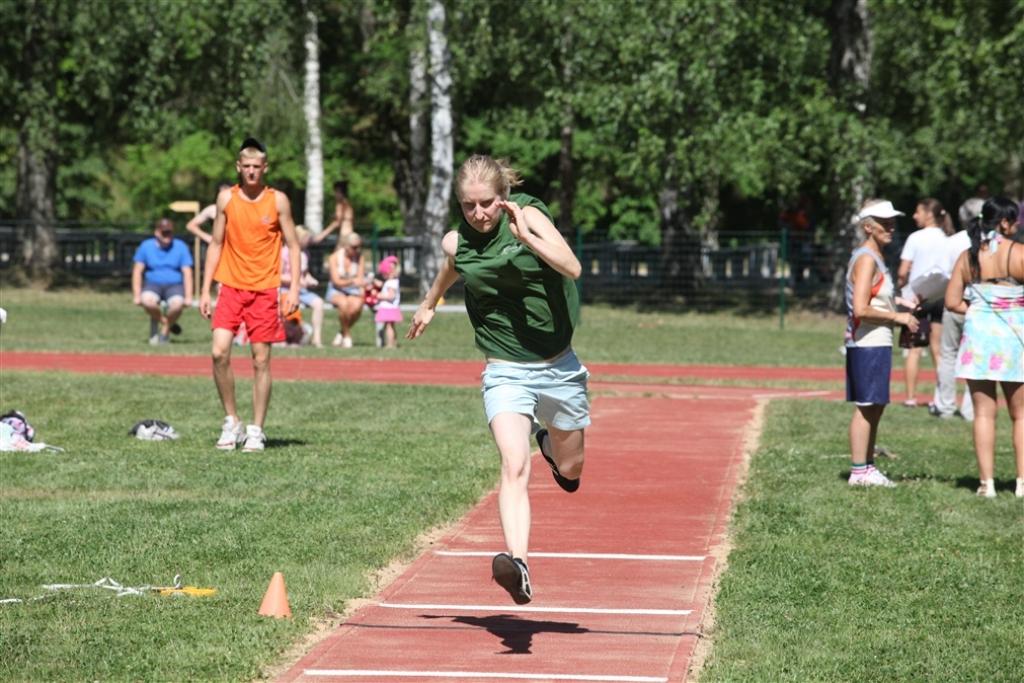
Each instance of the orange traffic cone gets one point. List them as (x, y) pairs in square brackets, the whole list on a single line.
[(275, 602)]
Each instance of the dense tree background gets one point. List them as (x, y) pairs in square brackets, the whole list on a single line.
[(667, 122)]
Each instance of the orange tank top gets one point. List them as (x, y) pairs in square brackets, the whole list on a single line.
[(251, 255)]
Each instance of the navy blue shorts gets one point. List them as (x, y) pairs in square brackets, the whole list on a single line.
[(867, 374)]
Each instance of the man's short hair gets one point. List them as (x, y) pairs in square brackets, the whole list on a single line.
[(251, 147)]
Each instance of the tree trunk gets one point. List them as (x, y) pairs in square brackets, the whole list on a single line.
[(441, 153), (566, 171), (314, 213), (566, 177), (680, 268), (850, 78), (35, 206), (411, 176)]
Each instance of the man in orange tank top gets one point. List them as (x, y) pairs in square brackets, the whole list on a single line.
[(244, 256)]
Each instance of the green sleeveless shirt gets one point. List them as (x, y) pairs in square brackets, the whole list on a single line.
[(521, 308)]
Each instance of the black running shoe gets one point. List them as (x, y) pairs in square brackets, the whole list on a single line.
[(569, 485), (512, 574), (175, 329)]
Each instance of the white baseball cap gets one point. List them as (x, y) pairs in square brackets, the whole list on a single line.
[(883, 209)]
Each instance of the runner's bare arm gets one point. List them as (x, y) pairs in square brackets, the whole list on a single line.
[(532, 228), (446, 277)]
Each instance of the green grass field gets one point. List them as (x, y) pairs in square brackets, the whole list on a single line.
[(79, 320), (918, 583), (824, 584)]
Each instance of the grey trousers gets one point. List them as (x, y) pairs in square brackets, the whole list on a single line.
[(945, 388)]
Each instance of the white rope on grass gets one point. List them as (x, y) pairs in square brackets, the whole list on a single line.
[(106, 583)]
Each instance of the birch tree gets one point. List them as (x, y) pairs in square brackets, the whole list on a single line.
[(441, 144), (850, 80), (313, 218)]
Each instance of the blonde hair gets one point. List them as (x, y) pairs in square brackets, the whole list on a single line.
[(251, 153), (348, 240), (483, 169)]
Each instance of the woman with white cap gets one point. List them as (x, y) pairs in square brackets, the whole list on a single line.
[(870, 316)]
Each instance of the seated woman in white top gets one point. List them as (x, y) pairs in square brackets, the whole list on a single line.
[(348, 281)]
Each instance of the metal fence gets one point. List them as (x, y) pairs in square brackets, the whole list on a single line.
[(754, 266)]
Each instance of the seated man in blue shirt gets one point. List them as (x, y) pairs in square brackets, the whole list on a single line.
[(162, 274)]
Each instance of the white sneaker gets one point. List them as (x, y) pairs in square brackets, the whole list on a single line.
[(1019, 491), (987, 488), (871, 478), (337, 340), (231, 434), (255, 439), (346, 342)]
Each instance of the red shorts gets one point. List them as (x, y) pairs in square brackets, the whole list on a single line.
[(258, 310)]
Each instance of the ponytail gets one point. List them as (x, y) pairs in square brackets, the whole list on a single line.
[(983, 228), (939, 214), (974, 230)]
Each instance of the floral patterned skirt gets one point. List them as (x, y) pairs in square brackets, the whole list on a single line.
[(992, 346)]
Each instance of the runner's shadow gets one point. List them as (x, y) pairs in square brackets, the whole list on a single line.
[(517, 634)]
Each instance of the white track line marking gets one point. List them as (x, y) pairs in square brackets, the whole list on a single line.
[(518, 608), (798, 394), (383, 673), (581, 556)]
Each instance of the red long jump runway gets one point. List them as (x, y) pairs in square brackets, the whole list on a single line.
[(622, 570)]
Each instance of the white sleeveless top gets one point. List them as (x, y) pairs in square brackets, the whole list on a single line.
[(858, 332)]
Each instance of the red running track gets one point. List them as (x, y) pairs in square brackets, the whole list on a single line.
[(460, 373)]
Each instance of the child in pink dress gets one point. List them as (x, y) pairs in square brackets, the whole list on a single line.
[(387, 312)]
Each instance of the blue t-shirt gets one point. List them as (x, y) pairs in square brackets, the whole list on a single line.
[(163, 266)]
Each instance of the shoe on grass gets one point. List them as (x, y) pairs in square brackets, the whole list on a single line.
[(987, 488), (231, 434), (175, 329), (569, 485), (255, 439), (512, 574), (871, 477)]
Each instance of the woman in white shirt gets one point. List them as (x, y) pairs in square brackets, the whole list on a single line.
[(925, 252)]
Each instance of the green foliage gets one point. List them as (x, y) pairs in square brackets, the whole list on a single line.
[(704, 98), (189, 169)]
